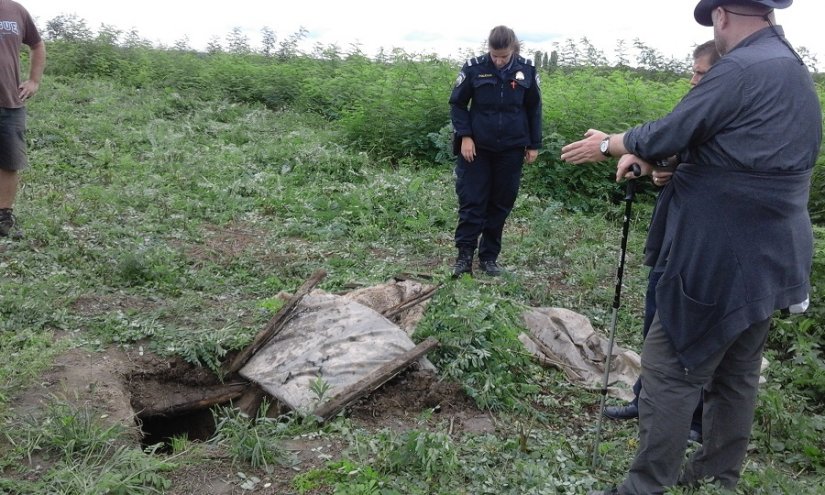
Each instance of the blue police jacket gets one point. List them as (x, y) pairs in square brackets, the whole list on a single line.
[(499, 109)]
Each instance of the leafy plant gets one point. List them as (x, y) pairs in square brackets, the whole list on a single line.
[(319, 388), (428, 453), (254, 441), (478, 333), (89, 457), (118, 470), (344, 477)]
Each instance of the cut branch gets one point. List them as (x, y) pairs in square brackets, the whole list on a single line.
[(405, 305), (573, 372)]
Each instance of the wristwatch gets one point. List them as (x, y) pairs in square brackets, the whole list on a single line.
[(604, 146)]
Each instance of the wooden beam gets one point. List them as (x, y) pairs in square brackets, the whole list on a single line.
[(221, 396), (251, 400)]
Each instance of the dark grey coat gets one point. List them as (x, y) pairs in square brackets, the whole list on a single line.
[(731, 232)]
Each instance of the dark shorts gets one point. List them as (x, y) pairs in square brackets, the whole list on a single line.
[(13, 139)]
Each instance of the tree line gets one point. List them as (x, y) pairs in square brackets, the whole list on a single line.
[(393, 104)]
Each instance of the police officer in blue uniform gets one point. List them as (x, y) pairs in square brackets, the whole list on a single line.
[(495, 109)]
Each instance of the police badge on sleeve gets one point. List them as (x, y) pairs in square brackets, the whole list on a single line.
[(460, 79)]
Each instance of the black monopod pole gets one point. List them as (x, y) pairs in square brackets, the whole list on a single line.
[(630, 191)]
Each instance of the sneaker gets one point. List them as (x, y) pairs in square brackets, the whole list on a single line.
[(490, 267), (8, 225)]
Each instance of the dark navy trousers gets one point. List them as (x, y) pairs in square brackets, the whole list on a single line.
[(487, 189)]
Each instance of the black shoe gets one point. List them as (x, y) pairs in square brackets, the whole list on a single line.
[(695, 435), (629, 411), (8, 225), (463, 263), (490, 267)]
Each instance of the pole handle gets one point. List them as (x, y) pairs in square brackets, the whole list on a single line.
[(630, 188)]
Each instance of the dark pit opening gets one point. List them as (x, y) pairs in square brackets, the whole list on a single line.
[(176, 401), (194, 425)]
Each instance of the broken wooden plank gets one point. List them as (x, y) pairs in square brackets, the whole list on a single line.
[(276, 323), (390, 313), (251, 400), (370, 383)]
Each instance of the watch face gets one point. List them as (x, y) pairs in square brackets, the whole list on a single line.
[(603, 146)]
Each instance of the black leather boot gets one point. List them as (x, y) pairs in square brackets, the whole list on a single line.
[(490, 267), (630, 411), (464, 262)]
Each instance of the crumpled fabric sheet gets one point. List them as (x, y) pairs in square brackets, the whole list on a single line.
[(566, 340)]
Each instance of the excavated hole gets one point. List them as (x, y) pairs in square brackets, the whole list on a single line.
[(178, 402), (195, 426)]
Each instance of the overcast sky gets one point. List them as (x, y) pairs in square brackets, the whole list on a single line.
[(448, 28)]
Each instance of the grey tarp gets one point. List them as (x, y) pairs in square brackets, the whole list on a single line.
[(334, 338)]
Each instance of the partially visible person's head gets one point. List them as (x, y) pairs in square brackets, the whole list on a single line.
[(703, 13), (502, 44), (704, 56), (734, 20)]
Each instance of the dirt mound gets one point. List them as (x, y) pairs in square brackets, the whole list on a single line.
[(401, 401)]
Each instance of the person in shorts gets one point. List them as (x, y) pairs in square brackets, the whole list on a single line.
[(17, 28)]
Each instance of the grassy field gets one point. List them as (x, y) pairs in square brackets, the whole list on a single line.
[(164, 225)]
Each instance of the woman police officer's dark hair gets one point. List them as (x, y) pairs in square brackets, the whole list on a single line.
[(502, 38)]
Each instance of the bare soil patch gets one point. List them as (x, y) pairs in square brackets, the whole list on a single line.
[(123, 385)]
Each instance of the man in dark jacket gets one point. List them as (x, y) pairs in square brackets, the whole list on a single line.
[(495, 108), (733, 241)]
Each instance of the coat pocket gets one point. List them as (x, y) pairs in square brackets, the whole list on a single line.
[(684, 318)]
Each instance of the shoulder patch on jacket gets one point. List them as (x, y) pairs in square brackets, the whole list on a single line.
[(481, 59), (460, 79)]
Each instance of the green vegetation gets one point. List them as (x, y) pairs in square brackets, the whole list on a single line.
[(86, 457), (172, 194)]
